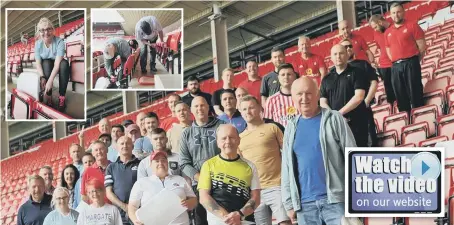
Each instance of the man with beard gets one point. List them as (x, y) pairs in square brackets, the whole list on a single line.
[(380, 25), (198, 144), (193, 87), (270, 83), (370, 92), (310, 64), (405, 46), (227, 84), (360, 47)]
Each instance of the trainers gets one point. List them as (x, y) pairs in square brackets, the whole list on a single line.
[(61, 103)]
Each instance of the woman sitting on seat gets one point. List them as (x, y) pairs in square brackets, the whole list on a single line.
[(49, 52)]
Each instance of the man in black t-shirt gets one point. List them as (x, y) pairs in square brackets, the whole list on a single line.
[(372, 77), (227, 84), (193, 87), (270, 83), (343, 89)]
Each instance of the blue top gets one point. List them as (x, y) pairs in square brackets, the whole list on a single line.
[(33, 213), (56, 218), (143, 144), (57, 48), (311, 169), (237, 121)]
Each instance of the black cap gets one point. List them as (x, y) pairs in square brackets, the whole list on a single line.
[(126, 123)]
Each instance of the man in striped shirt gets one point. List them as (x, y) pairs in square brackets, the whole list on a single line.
[(280, 107)]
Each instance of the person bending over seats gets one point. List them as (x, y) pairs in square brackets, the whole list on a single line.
[(147, 30), (49, 52), (98, 212), (62, 214), (148, 187), (116, 47), (133, 44)]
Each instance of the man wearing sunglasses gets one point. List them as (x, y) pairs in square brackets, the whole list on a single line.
[(371, 75)]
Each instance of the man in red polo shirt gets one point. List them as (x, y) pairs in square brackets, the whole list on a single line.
[(405, 46), (253, 82), (360, 47), (167, 123), (310, 64), (380, 25), (97, 170)]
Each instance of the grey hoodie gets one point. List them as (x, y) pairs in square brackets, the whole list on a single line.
[(122, 49), (197, 145), (335, 136)]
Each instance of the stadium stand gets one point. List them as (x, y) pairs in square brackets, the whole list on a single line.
[(24, 79), (425, 126)]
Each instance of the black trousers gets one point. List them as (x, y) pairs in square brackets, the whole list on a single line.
[(385, 74), (372, 128), (407, 85), (359, 127), (200, 213), (144, 55), (63, 74)]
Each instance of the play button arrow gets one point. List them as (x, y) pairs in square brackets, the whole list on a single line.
[(424, 168)]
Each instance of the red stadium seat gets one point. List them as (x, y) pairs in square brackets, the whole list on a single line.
[(450, 95), (22, 105), (380, 112), (432, 141), (44, 112), (428, 113), (101, 73), (446, 125), (421, 220), (415, 133), (388, 138), (396, 122), (74, 49), (407, 145), (77, 70), (436, 84)]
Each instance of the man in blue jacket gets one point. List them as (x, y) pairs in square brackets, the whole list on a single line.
[(313, 189)]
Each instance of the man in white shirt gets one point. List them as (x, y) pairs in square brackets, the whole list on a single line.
[(147, 30)]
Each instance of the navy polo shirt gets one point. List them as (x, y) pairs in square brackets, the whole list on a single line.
[(33, 213), (121, 177)]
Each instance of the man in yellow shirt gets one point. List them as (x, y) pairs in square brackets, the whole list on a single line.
[(261, 144)]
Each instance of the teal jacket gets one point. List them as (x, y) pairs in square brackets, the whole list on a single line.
[(335, 136)]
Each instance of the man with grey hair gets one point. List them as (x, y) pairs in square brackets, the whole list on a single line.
[(76, 152), (115, 47), (36, 208), (380, 25), (313, 167), (310, 64), (46, 173), (198, 144)]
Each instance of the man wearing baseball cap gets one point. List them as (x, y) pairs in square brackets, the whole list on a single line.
[(147, 187), (133, 132), (147, 30), (115, 47)]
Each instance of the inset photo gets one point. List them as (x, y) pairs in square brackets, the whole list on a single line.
[(137, 49), (45, 64)]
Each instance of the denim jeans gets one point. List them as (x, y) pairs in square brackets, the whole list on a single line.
[(319, 211)]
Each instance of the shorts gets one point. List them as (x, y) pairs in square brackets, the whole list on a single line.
[(270, 205)]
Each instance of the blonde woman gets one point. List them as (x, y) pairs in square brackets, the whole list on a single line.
[(49, 52), (62, 214)]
